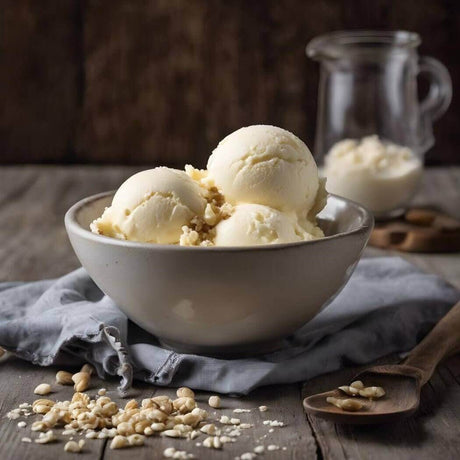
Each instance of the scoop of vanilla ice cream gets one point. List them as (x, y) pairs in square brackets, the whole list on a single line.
[(152, 206), (254, 224), (265, 165), (380, 175)]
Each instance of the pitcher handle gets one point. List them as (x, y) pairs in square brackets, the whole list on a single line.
[(440, 93)]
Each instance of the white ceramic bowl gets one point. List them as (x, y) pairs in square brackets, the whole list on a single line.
[(222, 299)]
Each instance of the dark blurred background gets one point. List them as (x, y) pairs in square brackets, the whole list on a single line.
[(161, 82)]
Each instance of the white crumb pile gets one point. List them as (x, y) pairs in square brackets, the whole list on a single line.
[(84, 418)]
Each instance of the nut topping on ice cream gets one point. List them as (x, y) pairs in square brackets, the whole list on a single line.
[(261, 187)]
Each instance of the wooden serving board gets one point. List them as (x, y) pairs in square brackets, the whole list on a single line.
[(420, 230)]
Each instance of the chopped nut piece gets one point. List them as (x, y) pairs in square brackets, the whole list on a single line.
[(372, 392), (81, 381), (26, 439), (349, 390), (158, 427), (102, 392), (245, 425), (73, 446), (171, 452), (241, 411), (345, 404), (273, 447), (248, 456), (118, 442), (45, 438), (184, 404), (172, 433), (125, 428), (185, 392), (132, 404), (214, 401), (39, 426), (225, 420), (357, 384), (88, 369), (200, 412), (136, 440), (235, 421), (259, 449), (273, 423), (191, 419), (263, 408), (22, 424), (209, 428), (226, 439), (42, 389), (64, 378), (212, 442)]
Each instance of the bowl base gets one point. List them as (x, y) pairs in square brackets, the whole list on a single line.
[(227, 351)]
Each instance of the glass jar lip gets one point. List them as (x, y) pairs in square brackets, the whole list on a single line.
[(360, 42)]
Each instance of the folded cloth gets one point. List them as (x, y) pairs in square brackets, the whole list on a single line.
[(387, 307)]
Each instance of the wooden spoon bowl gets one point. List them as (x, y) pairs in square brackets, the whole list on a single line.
[(402, 382)]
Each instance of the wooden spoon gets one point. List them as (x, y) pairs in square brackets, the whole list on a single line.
[(401, 382)]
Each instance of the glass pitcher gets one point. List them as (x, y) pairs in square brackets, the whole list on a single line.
[(368, 85)]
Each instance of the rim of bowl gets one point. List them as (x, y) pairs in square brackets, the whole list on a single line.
[(72, 224)]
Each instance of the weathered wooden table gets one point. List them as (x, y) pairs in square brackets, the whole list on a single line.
[(34, 245)]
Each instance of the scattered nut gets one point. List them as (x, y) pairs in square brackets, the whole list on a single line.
[(45, 438), (185, 392), (214, 401), (64, 378), (273, 447), (118, 442), (102, 392), (351, 405), (42, 389), (184, 404), (158, 427), (81, 381), (88, 369), (73, 446), (349, 390), (172, 433), (209, 428), (212, 442), (357, 384), (136, 440), (263, 408), (22, 424), (372, 392)]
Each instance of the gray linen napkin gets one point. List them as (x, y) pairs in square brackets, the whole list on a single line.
[(387, 307)]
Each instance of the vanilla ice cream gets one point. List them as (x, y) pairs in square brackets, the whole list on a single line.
[(253, 224), (265, 165), (261, 187), (380, 175), (152, 206)]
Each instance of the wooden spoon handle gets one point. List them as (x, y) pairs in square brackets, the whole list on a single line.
[(442, 341)]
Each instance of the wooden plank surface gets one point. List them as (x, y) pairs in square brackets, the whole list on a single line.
[(162, 81), (41, 80), (35, 247)]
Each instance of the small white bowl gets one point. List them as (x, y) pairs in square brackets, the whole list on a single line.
[(222, 300)]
